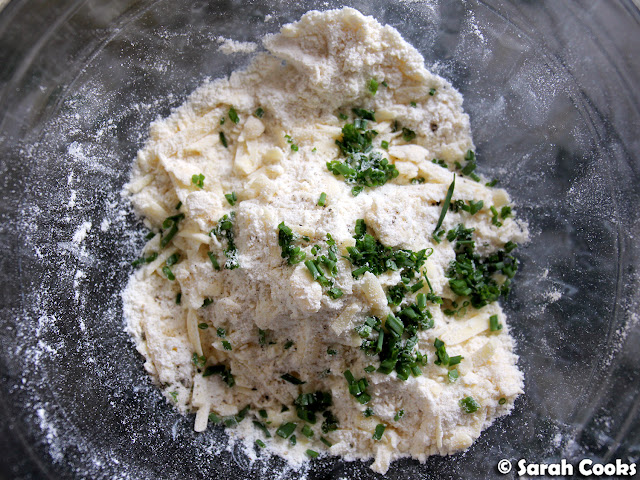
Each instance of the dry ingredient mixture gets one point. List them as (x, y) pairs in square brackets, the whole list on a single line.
[(324, 265)]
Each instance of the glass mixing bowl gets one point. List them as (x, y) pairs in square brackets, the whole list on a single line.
[(551, 88)]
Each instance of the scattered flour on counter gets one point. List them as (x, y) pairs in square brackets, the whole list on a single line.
[(235, 325), (81, 232)]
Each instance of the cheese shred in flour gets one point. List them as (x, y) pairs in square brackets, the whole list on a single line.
[(295, 289)]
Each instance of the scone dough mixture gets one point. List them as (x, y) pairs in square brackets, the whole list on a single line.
[(300, 283)]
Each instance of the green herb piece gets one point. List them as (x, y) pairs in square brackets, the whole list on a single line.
[(364, 170), (472, 276), (370, 369), (294, 148), (384, 84), (286, 238), (368, 412), (198, 360), (174, 395), (203, 326), (494, 218), (384, 144), (505, 212), (224, 231), (322, 201), (475, 207), (262, 337), (342, 116), (179, 205), (260, 443), (453, 375), (331, 351), (198, 180), (373, 86), (259, 112), (312, 453), (335, 293), (442, 357), (207, 302), (149, 235), (494, 325), (221, 332), (357, 388), (326, 442), (413, 104), (417, 181), (510, 246), (445, 204), (286, 429), (399, 415), (291, 379), (469, 405), (170, 223), (223, 140), (233, 115), (222, 120), (408, 135), (288, 344), (432, 91), (492, 183), (232, 198), (142, 260), (179, 298), (214, 260), (172, 260), (307, 431), (421, 301), (226, 345), (502, 401), (365, 114), (293, 440), (260, 426), (221, 370), (380, 428), (168, 273)]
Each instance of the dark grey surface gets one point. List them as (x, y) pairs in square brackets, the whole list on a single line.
[(551, 88)]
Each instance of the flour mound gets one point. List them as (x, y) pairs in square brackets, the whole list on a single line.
[(225, 321)]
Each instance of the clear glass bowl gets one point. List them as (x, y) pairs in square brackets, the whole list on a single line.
[(551, 88)]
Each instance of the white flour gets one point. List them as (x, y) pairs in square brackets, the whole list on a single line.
[(275, 163)]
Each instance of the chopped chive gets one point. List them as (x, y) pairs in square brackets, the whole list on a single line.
[(510, 246), (492, 183), (198, 180), (408, 135), (384, 144), (178, 205), (170, 234), (432, 92), (291, 379), (260, 443), (288, 345), (293, 440), (326, 442), (294, 148), (335, 293), (169, 274), (368, 412), (370, 369), (314, 150), (421, 301), (331, 351), (221, 332), (259, 112), (207, 302), (377, 435), (312, 453), (174, 395), (262, 337), (214, 260), (222, 120), (453, 375), (502, 401), (307, 431), (179, 298), (322, 201), (494, 325), (384, 84), (469, 405), (226, 345), (445, 205), (233, 115), (373, 86), (172, 260), (203, 326), (399, 415), (149, 235), (214, 418), (223, 140), (286, 429), (413, 104), (262, 428), (232, 198), (342, 116)]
